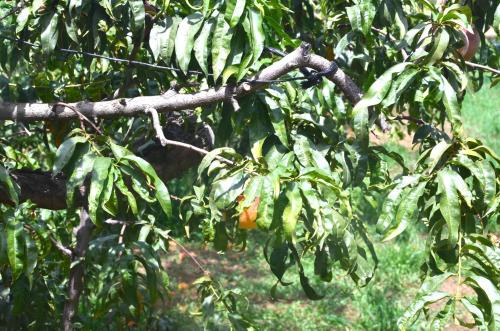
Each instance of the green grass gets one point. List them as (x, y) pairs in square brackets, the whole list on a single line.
[(481, 115), (375, 307)]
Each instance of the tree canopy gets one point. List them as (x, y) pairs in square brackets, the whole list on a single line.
[(268, 114)]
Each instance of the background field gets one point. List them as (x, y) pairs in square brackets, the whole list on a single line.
[(375, 307)]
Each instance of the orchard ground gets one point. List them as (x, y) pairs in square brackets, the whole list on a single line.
[(376, 307)]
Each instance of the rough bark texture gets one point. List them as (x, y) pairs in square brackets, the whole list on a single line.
[(77, 272), (299, 58)]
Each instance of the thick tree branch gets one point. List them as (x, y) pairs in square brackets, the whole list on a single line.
[(299, 58)]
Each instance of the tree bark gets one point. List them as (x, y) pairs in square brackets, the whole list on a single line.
[(77, 272), (299, 58)]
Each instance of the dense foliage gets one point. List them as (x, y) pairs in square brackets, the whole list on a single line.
[(294, 162)]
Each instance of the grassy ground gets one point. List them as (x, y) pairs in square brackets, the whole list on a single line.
[(345, 307), (375, 307), (481, 114)]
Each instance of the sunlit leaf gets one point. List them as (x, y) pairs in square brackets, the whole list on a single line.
[(449, 203), (292, 211), (184, 40), (221, 46), (15, 247), (99, 175)]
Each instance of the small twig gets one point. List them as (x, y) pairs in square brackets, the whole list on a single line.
[(120, 237), (14, 10), (114, 222), (197, 149), (25, 129), (417, 121), (156, 125), (167, 142), (480, 66), (122, 233), (233, 101), (80, 115), (193, 258), (174, 197), (235, 104), (66, 251)]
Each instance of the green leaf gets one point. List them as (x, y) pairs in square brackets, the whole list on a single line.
[(460, 75), (234, 10), (10, 185), (212, 155), (304, 281), (15, 247), (486, 289), (474, 308), (4, 259), (252, 190), (22, 19), (308, 290), (378, 90), (138, 17), (416, 307), (354, 15), (161, 192), (462, 188), (31, 256), (407, 211), (449, 203), (221, 46), (451, 104), (108, 198), (309, 155), (265, 211), (99, 175), (162, 38), (484, 173), (400, 85), (201, 45), (65, 152), (184, 41), (360, 126), (278, 260), (120, 184), (439, 47), (392, 200), (50, 33), (292, 210), (436, 155), (225, 191), (488, 178), (82, 169), (144, 233), (361, 16), (256, 33), (277, 116), (258, 131)]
